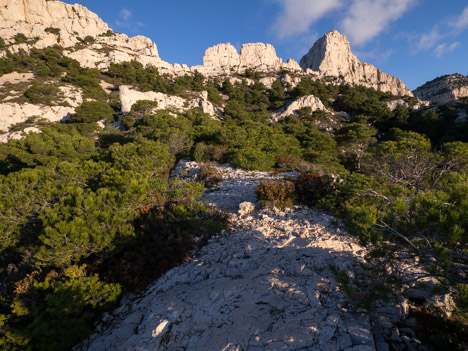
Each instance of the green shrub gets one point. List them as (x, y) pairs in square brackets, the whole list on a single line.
[(292, 163), (183, 193), (202, 152), (279, 193), (253, 159), (89, 40), (2, 43), (20, 38), (209, 175), (93, 111), (42, 93), (311, 187), (52, 30)]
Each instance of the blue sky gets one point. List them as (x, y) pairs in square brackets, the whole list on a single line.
[(415, 40)]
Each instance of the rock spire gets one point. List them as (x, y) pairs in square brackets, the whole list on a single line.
[(331, 56)]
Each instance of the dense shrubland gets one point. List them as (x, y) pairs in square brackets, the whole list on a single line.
[(84, 213)]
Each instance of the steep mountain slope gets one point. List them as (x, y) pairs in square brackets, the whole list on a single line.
[(444, 89), (331, 56)]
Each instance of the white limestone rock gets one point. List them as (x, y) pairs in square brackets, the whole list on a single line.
[(129, 96), (291, 109), (331, 56), (4, 138), (393, 104), (32, 17), (260, 56), (444, 89), (15, 78), (224, 59), (246, 207), (12, 113), (221, 56)]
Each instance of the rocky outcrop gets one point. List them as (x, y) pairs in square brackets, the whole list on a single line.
[(293, 107), (264, 284), (221, 57), (32, 17), (224, 59), (4, 138), (444, 89), (129, 96), (331, 56), (46, 23), (12, 113)]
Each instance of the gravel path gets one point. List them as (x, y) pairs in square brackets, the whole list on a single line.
[(266, 285)]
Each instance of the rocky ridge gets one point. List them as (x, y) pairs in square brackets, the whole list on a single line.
[(90, 41), (444, 89), (265, 284), (224, 59), (331, 56)]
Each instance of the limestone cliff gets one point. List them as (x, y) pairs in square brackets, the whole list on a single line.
[(444, 89), (32, 17), (224, 59), (331, 56)]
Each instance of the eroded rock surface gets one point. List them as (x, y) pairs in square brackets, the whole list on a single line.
[(224, 59), (129, 96), (444, 89), (266, 285), (293, 107), (12, 113), (331, 56), (32, 17)]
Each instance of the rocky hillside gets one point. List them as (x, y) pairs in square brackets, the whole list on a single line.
[(41, 23), (331, 56), (444, 89), (267, 285), (249, 203)]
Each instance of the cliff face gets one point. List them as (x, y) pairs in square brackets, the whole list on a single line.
[(444, 89), (331, 56), (32, 17), (81, 32), (45, 23), (224, 58)]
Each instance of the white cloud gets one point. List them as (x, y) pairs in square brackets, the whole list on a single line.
[(125, 14), (377, 56), (462, 21), (429, 40), (298, 15), (447, 28), (365, 19), (443, 48), (125, 20)]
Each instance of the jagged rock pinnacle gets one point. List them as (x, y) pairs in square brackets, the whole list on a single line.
[(331, 55)]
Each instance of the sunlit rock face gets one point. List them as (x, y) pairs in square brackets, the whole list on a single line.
[(331, 56), (444, 89)]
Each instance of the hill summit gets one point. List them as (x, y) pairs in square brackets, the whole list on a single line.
[(86, 38)]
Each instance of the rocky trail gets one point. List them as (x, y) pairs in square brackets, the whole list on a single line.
[(265, 284)]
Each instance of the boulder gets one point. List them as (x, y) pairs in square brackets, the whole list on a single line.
[(293, 107), (129, 96)]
